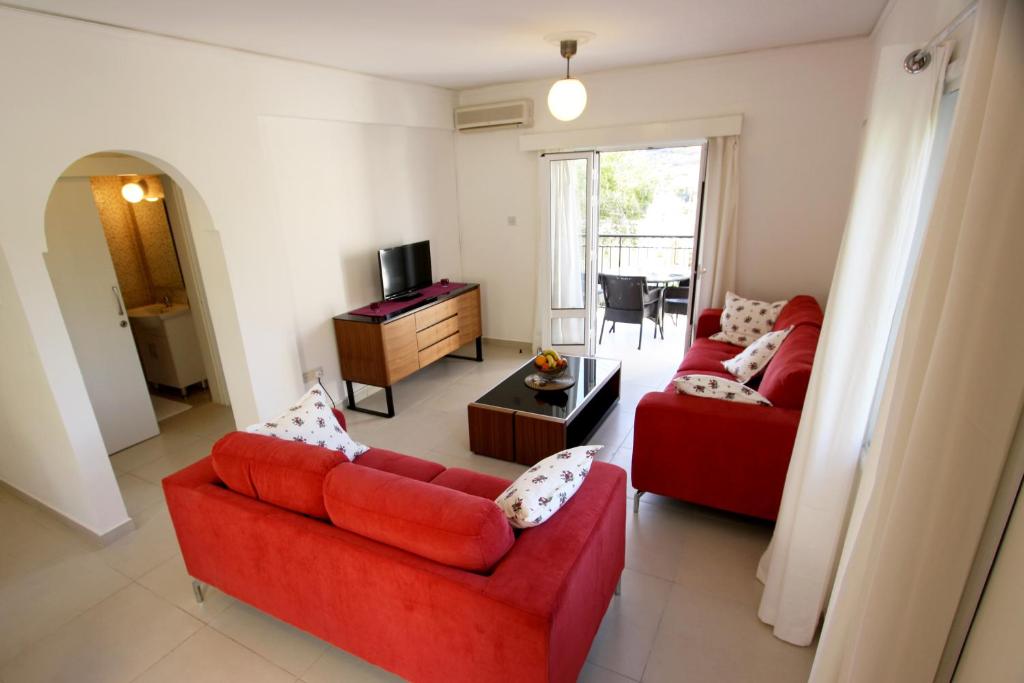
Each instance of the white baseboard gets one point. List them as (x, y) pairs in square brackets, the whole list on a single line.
[(102, 539)]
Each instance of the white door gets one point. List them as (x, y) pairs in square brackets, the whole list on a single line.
[(83, 278), (568, 278)]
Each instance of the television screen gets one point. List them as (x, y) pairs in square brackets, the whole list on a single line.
[(405, 269)]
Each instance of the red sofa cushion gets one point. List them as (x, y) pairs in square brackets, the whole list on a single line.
[(786, 378), (705, 358), (288, 474), (402, 465), (473, 483), (800, 310), (435, 522)]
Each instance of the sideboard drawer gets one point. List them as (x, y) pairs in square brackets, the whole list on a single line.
[(436, 313), (439, 350), (436, 333)]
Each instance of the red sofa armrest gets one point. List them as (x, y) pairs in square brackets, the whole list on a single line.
[(731, 456), (340, 416), (709, 322)]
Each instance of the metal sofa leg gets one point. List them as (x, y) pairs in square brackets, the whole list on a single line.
[(636, 502), (618, 586), (198, 590)]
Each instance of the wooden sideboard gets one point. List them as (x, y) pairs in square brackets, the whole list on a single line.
[(381, 350)]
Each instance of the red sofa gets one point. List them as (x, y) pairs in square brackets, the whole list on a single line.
[(725, 455), (422, 580)]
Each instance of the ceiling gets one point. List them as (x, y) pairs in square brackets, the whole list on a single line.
[(466, 43)]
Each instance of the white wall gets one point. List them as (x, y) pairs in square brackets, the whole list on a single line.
[(802, 112), (73, 89), (340, 215)]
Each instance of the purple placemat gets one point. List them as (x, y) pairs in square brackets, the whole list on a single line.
[(389, 307)]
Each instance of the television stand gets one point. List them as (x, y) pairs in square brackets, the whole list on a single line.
[(382, 350), (405, 297)]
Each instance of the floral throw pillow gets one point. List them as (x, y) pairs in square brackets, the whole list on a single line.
[(311, 421), (542, 490), (709, 386), (744, 320), (749, 362)]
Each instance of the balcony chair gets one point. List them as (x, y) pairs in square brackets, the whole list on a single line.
[(676, 301), (627, 299)]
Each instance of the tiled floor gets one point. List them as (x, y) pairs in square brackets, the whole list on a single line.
[(72, 612)]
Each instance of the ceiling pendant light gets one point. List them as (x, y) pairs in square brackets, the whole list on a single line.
[(567, 98)]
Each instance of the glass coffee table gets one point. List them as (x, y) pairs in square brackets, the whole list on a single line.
[(516, 423)]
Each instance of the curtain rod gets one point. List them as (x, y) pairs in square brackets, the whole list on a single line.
[(918, 60)]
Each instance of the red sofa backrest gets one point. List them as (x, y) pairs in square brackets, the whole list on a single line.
[(441, 524), (288, 474), (787, 375), (800, 310)]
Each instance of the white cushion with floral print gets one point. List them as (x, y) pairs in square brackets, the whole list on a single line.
[(311, 421), (542, 490), (744, 320), (709, 386), (750, 361)]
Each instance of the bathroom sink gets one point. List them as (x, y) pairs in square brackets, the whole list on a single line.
[(158, 311)]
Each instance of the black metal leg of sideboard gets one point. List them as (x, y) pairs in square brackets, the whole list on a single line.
[(387, 395), (479, 358)]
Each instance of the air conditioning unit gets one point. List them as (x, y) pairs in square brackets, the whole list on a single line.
[(518, 113)]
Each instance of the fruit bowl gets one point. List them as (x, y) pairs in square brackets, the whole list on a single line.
[(549, 364), (552, 373)]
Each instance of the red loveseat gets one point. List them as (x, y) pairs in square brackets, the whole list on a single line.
[(414, 574), (731, 456)]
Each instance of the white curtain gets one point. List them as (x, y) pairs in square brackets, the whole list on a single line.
[(955, 393), (798, 566), (716, 262), (560, 252)]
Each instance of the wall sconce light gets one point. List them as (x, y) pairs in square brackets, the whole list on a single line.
[(135, 191), (149, 189)]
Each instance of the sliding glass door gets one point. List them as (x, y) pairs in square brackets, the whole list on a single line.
[(568, 280)]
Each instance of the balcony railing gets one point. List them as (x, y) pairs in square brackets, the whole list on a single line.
[(641, 254)]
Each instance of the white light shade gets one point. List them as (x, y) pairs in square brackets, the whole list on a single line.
[(567, 99), (133, 192)]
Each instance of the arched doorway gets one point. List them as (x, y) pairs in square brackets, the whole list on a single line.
[(122, 260)]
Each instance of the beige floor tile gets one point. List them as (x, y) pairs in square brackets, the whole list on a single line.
[(284, 645), (337, 665), (169, 463), (138, 494), (616, 427), (655, 540), (37, 602), (704, 638), (211, 657), (164, 444), (151, 543), (202, 420), (112, 642), (720, 556), (592, 673), (34, 539), (170, 580), (630, 625)]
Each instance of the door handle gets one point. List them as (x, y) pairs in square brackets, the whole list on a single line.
[(117, 298)]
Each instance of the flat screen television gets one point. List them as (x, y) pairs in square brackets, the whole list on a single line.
[(404, 269)]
